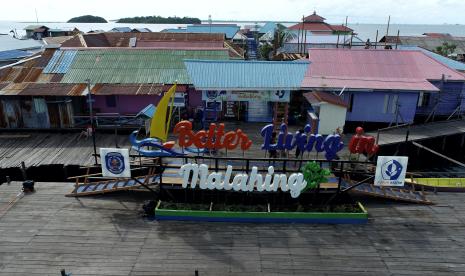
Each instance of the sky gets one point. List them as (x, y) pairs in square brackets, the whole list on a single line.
[(335, 11)]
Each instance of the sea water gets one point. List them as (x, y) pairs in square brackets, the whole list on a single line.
[(364, 31)]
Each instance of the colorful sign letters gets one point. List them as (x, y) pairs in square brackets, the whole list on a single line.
[(330, 144), (213, 138), (242, 182), (362, 144)]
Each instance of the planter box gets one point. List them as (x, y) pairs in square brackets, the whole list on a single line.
[(263, 217)]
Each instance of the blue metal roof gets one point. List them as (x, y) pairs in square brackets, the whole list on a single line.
[(147, 112), (60, 62), (228, 30), (14, 54), (174, 30), (240, 75), (269, 27), (121, 29), (444, 60)]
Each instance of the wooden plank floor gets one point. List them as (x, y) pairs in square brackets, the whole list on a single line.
[(54, 148), (106, 235), (421, 132)]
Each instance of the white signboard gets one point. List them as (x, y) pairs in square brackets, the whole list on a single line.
[(390, 170), (179, 100), (115, 162), (247, 96), (241, 181)]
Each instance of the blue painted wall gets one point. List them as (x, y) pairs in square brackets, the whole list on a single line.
[(452, 93), (369, 106)]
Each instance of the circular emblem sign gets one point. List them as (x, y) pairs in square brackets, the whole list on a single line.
[(391, 170), (211, 95), (115, 162)]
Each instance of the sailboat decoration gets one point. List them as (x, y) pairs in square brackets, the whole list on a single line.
[(159, 129)]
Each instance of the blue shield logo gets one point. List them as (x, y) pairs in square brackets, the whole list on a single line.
[(391, 170), (115, 162)]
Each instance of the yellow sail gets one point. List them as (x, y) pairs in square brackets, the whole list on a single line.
[(160, 126)]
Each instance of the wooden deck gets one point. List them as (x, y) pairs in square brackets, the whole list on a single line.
[(37, 148), (44, 232), (420, 132)]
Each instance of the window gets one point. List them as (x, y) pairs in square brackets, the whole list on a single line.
[(423, 99), (390, 103), (111, 100), (386, 103), (394, 103), (351, 102)]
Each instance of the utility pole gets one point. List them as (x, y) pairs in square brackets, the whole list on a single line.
[(91, 116), (387, 32)]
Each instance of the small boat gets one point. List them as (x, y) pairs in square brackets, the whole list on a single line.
[(438, 184)]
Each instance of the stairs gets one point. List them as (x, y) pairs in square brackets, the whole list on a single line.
[(252, 48), (109, 186), (387, 192)]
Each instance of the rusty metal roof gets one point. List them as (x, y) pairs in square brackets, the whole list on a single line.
[(322, 97), (41, 89), (133, 89), (191, 40), (52, 89), (12, 89)]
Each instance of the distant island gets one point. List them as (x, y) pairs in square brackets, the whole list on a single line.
[(160, 20), (87, 19)]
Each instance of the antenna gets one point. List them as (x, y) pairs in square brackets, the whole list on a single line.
[(37, 17), (210, 22), (342, 91)]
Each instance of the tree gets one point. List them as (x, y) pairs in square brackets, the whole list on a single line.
[(87, 19), (265, 50), (160, 20), (446, 49)]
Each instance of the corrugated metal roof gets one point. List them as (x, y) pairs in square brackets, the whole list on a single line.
[(427, 42), (60, 62), (52, 89), (14, 54), (375, 69), (240, 75), (121, 29), (179, 44), (12, 89), (269, 27), (457, 65), (133, 89), (135, 65), (322, 97), (228, 30), (10, 43)]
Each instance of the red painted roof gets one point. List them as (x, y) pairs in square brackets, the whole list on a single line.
[(179, 44), (316, 27), (319, 97), (375, 69), (314, 18)]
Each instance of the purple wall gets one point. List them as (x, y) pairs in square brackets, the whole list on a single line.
[(125, 104), (195, 98), (369, 106), (447, 100)]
